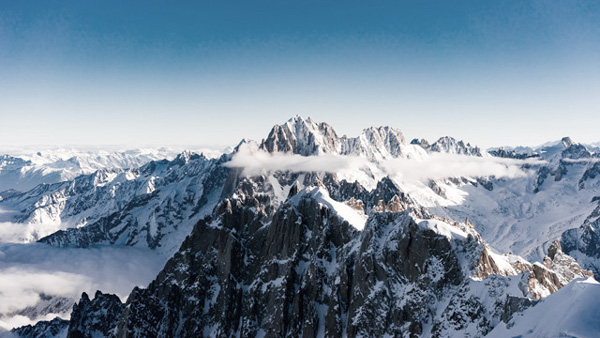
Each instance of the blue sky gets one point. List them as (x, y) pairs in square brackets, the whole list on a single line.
[(213, 72)]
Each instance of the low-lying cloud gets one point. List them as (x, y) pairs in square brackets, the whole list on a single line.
[(30, 271), (24, 232), (582, 160), (261, 162), (440, 166), (435, 166)]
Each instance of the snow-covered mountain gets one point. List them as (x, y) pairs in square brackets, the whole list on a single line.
[(143, 206), (319, 267), (23, 169), (307, 138), (333, 236)]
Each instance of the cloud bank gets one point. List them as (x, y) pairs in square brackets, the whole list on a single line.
[(435, 166), (440, 166), (25, 233), (28, 271), (261, 162)]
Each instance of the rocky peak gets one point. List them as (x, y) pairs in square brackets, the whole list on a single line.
[(184, 157), (501, 152), (567, 141), (56, 327), (554, 248), (450, 145), (294, 189), (375, 143), (96, 317), (576, 151), (303, 137), (542, 279), (556, 271), (422, 142), (307, 137)]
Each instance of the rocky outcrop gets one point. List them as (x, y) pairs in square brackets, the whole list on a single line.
[(584, 242), (422, 142), (307, 137), (56, 327), (501, 152), (556, 271), (94, 318), (450, 145), (303, 137), (589, 174)]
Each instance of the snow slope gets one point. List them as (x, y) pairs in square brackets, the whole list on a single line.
[(573, 311)]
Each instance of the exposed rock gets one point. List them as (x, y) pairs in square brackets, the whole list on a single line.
[(356, 204), (56, 327), (590, 173), (450, 145), (96, 317), (584, 242), (501, 152), (422, 142)]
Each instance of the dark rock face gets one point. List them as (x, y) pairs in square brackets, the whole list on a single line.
[(559, 172), (253, 269), (450, 145), (515, 305), (94, 318), (422, 142), (301, 272), (501, 152), (385, 191), (590, 173), (467, 308), (486, 183), (576, 151), (585, 240), (42, 329)]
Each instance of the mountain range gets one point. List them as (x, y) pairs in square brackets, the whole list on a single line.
[(307, 233)]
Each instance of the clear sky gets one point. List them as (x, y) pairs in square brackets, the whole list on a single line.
[(213, 72)]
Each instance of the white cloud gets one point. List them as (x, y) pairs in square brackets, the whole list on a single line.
[(25, 233), (260, 162), (29, 270), (439, 166), (435, 166), (582, 160)]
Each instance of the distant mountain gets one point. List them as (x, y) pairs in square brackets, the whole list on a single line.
[(144, 206), (22, 170), (306, 137)]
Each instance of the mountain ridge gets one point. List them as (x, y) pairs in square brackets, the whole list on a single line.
[(335, 226)]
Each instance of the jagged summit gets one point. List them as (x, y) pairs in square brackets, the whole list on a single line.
[(307, 137), (303, 137), (450, 145), (567, 141)]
